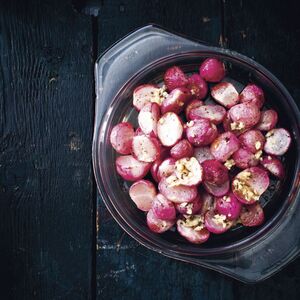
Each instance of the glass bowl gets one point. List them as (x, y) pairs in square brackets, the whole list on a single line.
[(247, 254)]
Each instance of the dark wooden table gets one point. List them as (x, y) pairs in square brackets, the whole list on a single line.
[(49, 245)]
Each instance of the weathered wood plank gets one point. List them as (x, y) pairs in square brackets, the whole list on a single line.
[(46, 102)]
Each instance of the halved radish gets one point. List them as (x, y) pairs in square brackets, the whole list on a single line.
[(130, 168), (273, 165), (182, 149), (193, 229), (214, 172), (176, 193), (142, 193), (254, 94), (253, 140), (189, 208), (146, 149), (252, 215), (201, 132), (213, 113), (202, 154), (217, 190), (208, 201), (268, 120), (163, 208), (250, 184), (278, 141), (158, 225), (229, 206), (244, 116), (166, 168), (224, 146), (176, 100), (244, 158), (217, 223), (188, 171), (169, 129), (192, 104), (198, 86), (144, 94), (225, 94), (148, 118), (121, 137), (212, 70), (175, 78)]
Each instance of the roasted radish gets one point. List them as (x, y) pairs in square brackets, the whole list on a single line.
[(252, 215), (142, 193), (166, 168), (213, 113), (130, 168), (202, 154), (198, 86), (192, 104), (229, 206), (217, 190), (121, 137), (163, 208), (182, 149), (268, 120), (273, 165), (212, 70), (158, 225), (250, 184), (254, 94), (189, 208), (243, 158), (253, 140), (214, 172), (145, 148), (169, 129), (175, 78), (148, 118), (144, 94), (225, 94), (217, 223), (278, 141)]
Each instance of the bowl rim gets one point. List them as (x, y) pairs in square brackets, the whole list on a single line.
[(253, 238)]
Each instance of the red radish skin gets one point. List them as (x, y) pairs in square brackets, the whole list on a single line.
[(176, 100), (250, 184), (144, 94), (178, 193), (278, 141), (273, 165), (217, 190), (252, 215), (214, 172), (189, 208), (157, 225), (212, 70), (169, 129), (166, 168), (188, 171), (213, 113), (268, 120), (198, 86), (131, 169), (175, 78), (253, 140), (201, 132), (142, 193), (243, 158), (121, 137), (229, 206), (154, 169), (224, 146), (217, 223), (148, 118), (138, 131), (146, 149), (193, 229), (182, 149), (202, 154), (192, 104), (225, 94), (244, 116), (253, 94), (163, 208)]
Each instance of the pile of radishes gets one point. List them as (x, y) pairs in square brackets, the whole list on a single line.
[(209, 163)]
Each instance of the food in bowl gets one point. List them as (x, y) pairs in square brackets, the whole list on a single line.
[(209, 163)]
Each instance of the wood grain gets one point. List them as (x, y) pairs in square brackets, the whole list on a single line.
[(46, 107)]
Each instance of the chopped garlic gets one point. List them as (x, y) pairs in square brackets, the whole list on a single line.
[(258, 154), (229, 163), (257, 145), (237, 125)]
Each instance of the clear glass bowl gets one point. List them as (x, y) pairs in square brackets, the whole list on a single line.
[(247, 254)]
